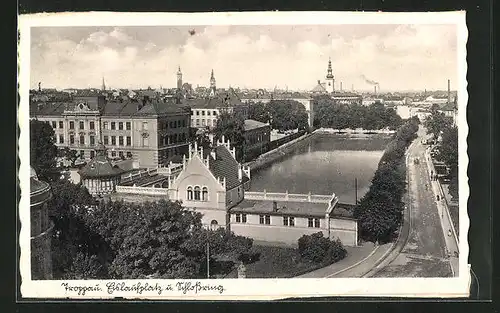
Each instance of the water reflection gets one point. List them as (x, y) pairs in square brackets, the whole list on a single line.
[(323, 165)]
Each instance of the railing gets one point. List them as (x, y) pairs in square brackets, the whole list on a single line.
[(280, 196), (142, 190), (172, 169), (132, 176)]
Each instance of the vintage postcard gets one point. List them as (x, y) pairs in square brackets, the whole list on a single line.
[(261, 155)]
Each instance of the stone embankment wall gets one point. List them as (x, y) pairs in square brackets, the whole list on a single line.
[(276, 154)]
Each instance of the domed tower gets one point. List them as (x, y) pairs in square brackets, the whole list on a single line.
[(213, 87), (41, 228), (330, 80), (179, 79), (99, 175)]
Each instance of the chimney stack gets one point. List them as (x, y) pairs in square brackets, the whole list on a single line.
[(449, 93), (375, 89), (340, 86)]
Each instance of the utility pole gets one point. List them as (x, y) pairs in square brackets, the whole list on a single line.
[(208, 260), (356, 191)]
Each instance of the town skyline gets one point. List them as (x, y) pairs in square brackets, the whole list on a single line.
[(397, 57)]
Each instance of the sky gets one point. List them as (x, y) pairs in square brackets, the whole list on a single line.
[(398, 57)]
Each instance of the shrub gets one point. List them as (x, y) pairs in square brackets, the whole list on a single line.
[(318, 249)]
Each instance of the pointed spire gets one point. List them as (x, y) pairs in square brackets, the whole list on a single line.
[(103, 86), (329, 72)]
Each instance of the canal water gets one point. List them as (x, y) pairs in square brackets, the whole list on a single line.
[(325, 164)]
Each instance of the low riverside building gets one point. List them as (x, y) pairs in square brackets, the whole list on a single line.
[(289, 217), (257, 137), (41, 228), (99, 175)]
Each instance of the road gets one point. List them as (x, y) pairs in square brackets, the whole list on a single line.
[(424, 253)]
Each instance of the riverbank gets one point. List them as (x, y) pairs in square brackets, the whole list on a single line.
[(356, 131)]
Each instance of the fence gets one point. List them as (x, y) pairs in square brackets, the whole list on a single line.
[(280, 196), (142, 191)]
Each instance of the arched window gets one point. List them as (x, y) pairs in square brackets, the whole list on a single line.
[(214, 225), (197, 193), (190, 193), (204, 194)]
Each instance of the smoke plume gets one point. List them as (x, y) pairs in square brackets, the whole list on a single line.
[(369, 81)]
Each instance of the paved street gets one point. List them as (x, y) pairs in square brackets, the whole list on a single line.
[(424, 254)]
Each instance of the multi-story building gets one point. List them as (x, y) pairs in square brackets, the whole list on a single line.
[(147, 131)]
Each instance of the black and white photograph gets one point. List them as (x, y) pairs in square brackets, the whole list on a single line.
[(256, 155)]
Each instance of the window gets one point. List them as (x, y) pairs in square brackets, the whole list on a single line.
[(179, 123), (106, 140), (197, 122), (288, 221), (120, 125), (54, 124), (197, 193), (113, 125), (316, 223), (71, 139), (129, 141), (145, 142), (113, 140), (197, 112), (82, 125), (129, 154), (203, 122), (241, 218), (82, 154), (61, 138), (204, 194), (71, 125), (214, 225), (208, 113), (214, 122), (183, 123), (92, 140), (203, 113), (128, 126), (92, 125), (61, 124), (113, 153), (310, 222), (172, 125), (105, 125), (190, 193), (214, 113), (82, 139), (265, 219), (144, 125), (92, 154), (120, 140), (120, 154)]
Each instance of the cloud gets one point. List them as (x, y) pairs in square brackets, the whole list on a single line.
[(398, 57)]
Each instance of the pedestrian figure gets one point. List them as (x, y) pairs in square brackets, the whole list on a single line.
[(449, 232), (437, 197)]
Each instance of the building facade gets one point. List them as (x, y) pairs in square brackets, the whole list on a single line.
[(147, 131), (41, 229), (257, 137)]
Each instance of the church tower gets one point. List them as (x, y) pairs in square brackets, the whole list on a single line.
[(179, 78), (330, 80), (103, 86), (213, 87)]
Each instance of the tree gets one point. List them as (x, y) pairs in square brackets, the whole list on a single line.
[(257, 111), (448, 153), (43, 151), (71, 155), (287, 115), (437, 123), (318, 249), (232, 127), (71, 234)]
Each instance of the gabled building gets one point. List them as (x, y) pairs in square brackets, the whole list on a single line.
[(211, 182)]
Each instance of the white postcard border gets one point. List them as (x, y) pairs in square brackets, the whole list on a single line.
[(255, 289)]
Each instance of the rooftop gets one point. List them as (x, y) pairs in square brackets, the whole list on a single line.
[(284, 208), (100, 166), (253, 124)]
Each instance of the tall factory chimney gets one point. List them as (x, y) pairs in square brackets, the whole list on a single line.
[(375, 89), (449, 93), (340, 86)]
